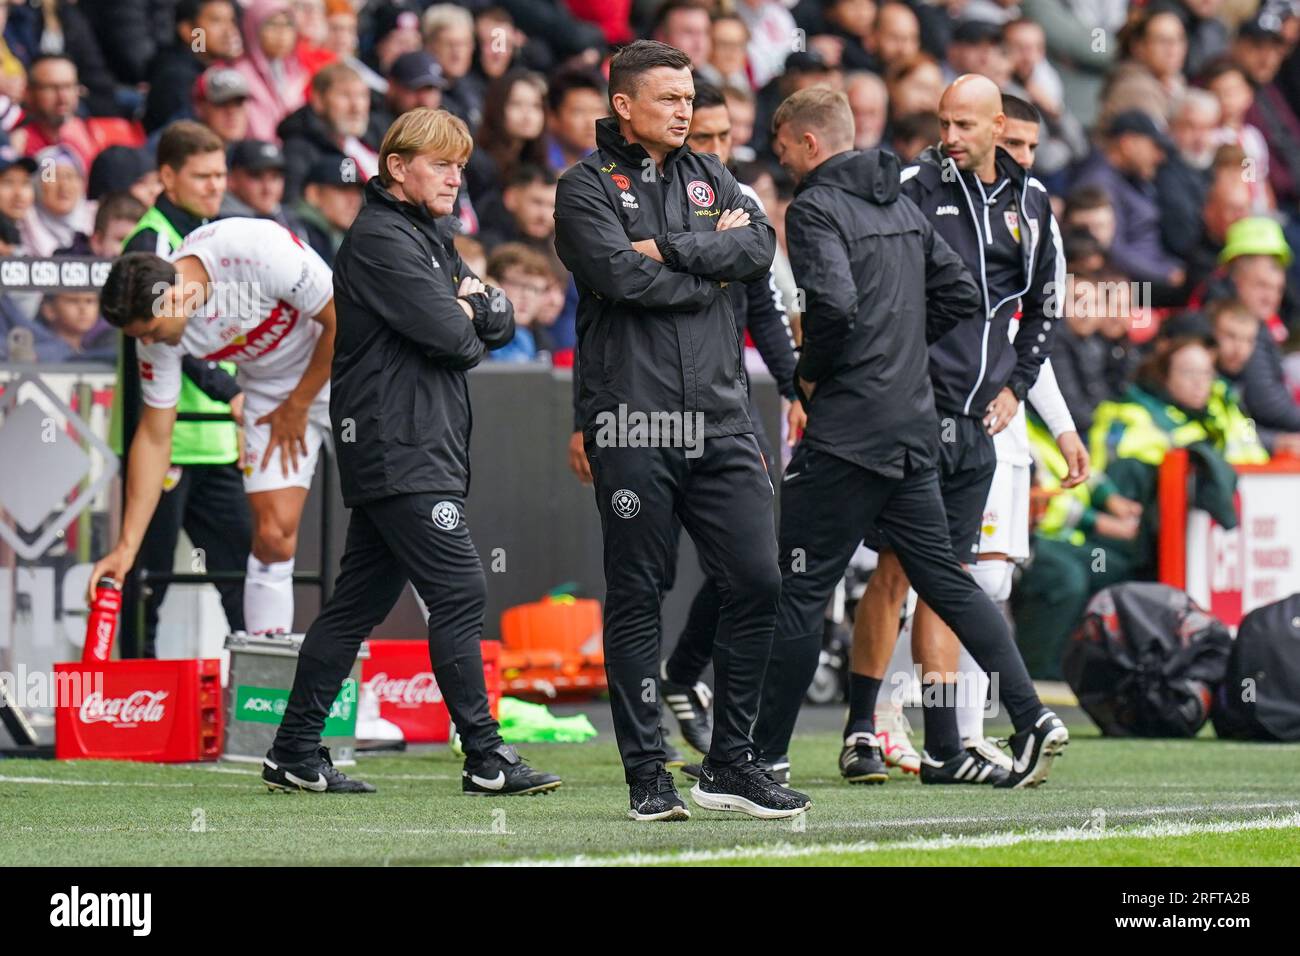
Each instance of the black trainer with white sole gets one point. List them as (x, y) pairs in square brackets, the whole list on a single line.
[(503, 773), (746, 788), (861, 760), (692, 705), (1033, 750), (966, 766), (778, 768), (314, 774), (656, 798)]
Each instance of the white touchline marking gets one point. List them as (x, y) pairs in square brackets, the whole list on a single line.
[(114, 783), (786, 851)]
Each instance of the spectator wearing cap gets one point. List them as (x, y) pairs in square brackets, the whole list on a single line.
[(449, 38), (396, 31), (575, 99), (415, 80), (330, 201), (1125, 167), (221, 103), (512, 132), (1153, 48), (124, 169), (277, 77), (1259, 49), (176, 67), (255, 185), (61, 210), (17, 196), (342, 39), (335, 123), (1255, 257), (53, 99)]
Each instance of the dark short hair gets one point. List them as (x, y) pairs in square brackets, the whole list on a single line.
[(50, 58), (187, 11), (115, 206), (1016, 108), (1079, 244), (566, 81), (528, 174), (707, 96), (185, 138), (638, 58), (1086, 197), (131, 288), (922, 126), (673, 6)]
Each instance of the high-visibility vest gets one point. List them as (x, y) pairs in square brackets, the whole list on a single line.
[(193, 443), (1234, 431)]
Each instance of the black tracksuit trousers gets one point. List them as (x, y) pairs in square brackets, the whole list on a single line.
[(723, 499), (421, 537), (826, 505)]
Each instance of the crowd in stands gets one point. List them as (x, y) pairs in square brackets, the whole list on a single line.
[(1169, 142)]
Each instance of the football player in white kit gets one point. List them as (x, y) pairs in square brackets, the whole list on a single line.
[(247, 291)]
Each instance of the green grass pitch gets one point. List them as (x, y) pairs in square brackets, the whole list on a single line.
[(1109, 802)]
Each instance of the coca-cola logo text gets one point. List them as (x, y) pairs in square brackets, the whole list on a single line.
[(142, 707), (417, 689)]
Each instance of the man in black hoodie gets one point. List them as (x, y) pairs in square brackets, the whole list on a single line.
[(880, 283), (652, 232)]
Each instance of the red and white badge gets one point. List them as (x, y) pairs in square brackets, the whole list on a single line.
[(621, 181), (700, 192)]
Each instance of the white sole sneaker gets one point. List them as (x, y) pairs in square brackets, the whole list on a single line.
[(1058, 738), (676, 813), (726, 801)]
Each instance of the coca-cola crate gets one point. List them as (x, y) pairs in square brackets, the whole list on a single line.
[(399, 674), (163, 711)]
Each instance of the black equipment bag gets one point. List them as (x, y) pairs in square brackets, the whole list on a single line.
[(1260, 697), (1145, 661)]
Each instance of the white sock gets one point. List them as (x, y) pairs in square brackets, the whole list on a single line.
[(994, 579), (268, 596)]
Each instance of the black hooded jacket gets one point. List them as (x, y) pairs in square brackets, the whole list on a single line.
[(880, 284), (658, 337), (399, 400), (978, 359)]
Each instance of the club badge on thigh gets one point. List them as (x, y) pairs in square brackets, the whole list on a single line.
[(446, 516), (625, 503)]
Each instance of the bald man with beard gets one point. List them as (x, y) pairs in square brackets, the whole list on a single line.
[(999, 221)]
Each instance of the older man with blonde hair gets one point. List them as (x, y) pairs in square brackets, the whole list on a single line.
[(413, 319)]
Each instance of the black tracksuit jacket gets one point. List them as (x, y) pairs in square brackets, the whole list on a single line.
[(658, 337), (399, 399), (866, 327), (976, 360)]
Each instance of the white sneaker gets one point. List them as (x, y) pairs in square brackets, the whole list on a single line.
[(990, 749), (892, 729)]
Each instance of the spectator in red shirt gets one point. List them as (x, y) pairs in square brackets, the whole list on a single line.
[(277, 78), (53, 96)]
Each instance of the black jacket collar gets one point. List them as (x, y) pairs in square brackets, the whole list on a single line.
[(441, 229), (1002, 161), (185, 222), (609, 140)]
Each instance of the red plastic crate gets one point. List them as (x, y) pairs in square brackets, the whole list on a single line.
[(398, 672), (162, 711)]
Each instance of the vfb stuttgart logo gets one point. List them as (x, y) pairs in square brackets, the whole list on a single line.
[(446, 515), (625, 503), (700, 192)]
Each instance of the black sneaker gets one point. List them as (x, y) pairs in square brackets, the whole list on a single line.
[(778, 768), (656, 798), (966, 766), (861, 760), (673, 758), (1033, 749), (691, 770), (692, 705), (315, 774), (746, 788), (503, 773)]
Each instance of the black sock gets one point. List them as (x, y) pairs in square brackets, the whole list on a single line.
[(862, 704), (938, 707)]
